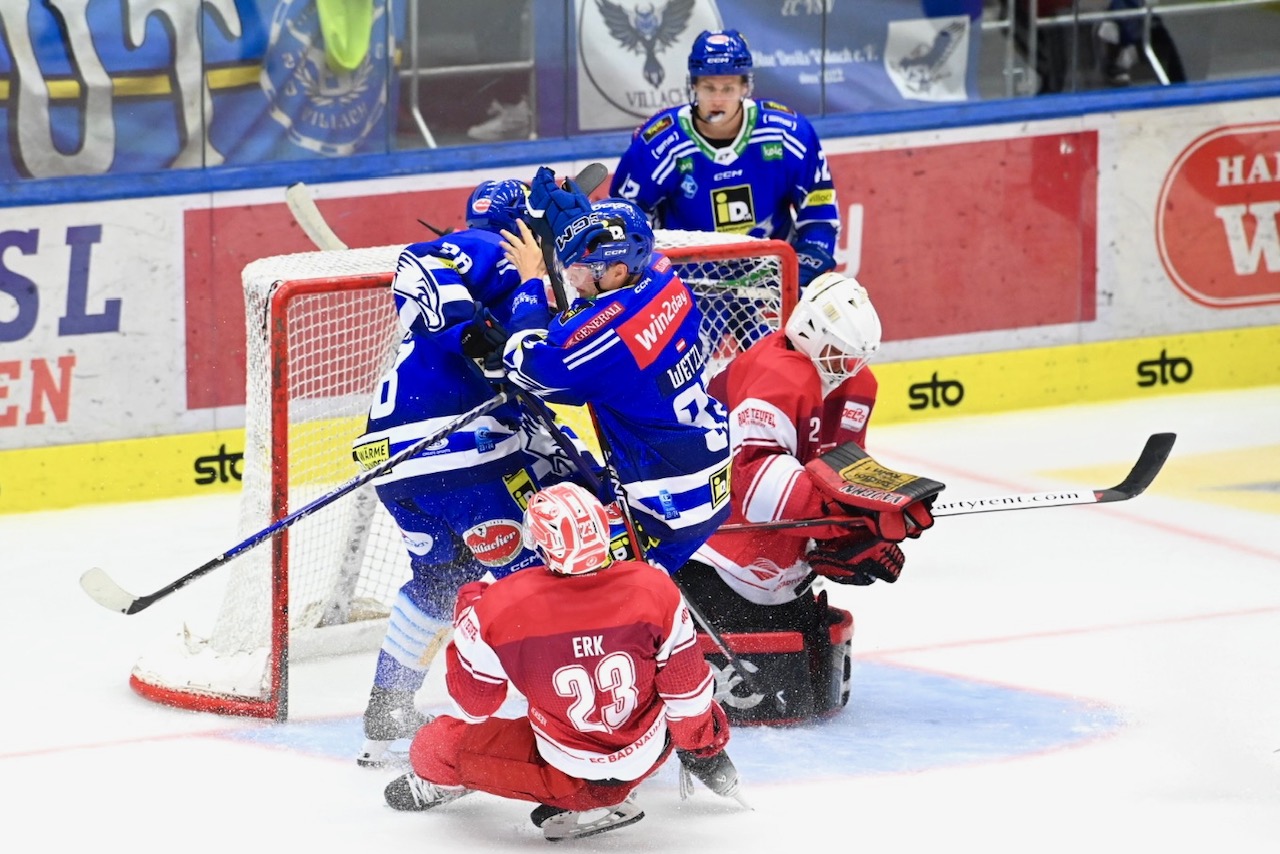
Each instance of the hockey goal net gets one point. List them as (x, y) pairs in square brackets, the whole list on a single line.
[(321, 331)]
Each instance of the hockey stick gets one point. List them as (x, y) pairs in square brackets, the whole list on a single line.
[(107, 593), (309, 219), (591, 176), (1144, 471)]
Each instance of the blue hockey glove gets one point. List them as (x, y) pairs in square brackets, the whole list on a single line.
[(482, 336), (814, 260), (567, 210)]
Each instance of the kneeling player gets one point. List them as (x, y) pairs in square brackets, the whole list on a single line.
[(796, 395)]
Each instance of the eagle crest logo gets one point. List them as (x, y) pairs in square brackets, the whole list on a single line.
[(647, 31)]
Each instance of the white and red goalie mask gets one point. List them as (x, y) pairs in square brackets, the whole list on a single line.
[(569, 528), (836, 326)]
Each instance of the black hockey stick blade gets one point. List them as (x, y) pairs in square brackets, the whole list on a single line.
[(1149, 463), (110, 595), (1144, 471)]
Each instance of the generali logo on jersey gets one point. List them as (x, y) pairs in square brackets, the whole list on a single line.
[(1216, 223)]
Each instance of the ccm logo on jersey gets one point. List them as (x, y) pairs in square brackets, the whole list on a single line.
[(494, 543), (855, 415), (649, 332)]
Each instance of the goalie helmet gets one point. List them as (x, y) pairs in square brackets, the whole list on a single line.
[(630, 237), (497, 205), (836, 326), (569, 528)]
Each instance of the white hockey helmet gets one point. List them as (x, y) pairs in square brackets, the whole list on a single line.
[(836, 326), (570, 529)]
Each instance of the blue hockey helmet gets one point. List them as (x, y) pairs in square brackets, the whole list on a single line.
[(497, 205), (717, 52), (629, 239)]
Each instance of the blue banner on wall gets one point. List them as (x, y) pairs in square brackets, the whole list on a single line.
[(817, 56), (107, 86)]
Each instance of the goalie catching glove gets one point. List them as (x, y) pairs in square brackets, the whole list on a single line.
[(859, 558), (895, 505)]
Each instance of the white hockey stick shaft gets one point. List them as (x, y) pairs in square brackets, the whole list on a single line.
[(1144, 471), (107, 593), (303, 207)]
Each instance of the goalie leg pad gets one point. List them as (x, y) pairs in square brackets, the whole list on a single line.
[(797, 654)]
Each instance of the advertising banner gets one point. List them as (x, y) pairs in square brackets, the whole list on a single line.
[(816, 57), (1019, 247), (90, 88)]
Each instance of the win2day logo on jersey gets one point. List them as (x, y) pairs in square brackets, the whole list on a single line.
[(648, 334)]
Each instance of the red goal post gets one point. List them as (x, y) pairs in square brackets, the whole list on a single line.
[(321, 330)]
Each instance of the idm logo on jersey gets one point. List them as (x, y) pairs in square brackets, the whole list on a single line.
[(928, 58), (326, 111), (732, 209)]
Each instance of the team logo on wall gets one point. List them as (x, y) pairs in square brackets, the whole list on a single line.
[(928, 58), (1216, 220), (633, 57), (326, 111)]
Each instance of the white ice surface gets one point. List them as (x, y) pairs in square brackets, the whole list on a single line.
[(1102, 678)]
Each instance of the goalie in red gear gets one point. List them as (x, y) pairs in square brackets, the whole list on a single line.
[(793, 396), (606, 655)]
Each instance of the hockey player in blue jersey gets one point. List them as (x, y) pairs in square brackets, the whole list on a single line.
[(628, 347), (726, 162), (460, 503)]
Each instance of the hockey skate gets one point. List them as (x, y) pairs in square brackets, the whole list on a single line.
[(717, 773), (559, 825), (411, 793), (389, 716)]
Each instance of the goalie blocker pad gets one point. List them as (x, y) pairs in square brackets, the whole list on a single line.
[(807, 675), (849, 476)]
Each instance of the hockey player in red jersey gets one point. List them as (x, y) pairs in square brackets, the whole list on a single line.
[(606, 655), (793, 396)]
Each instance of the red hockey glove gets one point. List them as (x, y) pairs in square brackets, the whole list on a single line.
[(896, 505), (858, 558), (720, 734), (468, 595)]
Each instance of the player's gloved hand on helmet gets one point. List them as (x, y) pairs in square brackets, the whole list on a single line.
[(859, 558), (566, 211), (482, 336), (815, 259)]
